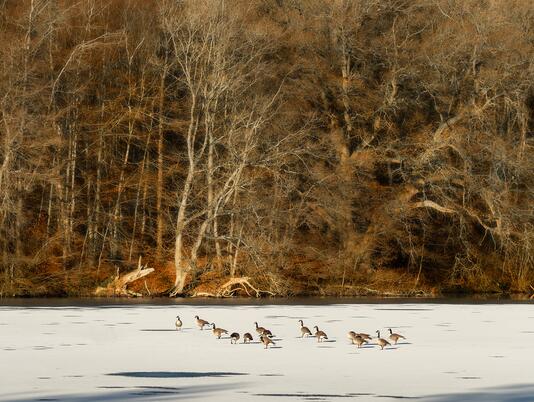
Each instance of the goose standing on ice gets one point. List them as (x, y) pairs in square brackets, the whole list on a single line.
[(201, 323), (304, 331), (268, 333), (259, 330), (234, 338), (218, 332), (319, 334), (395, 337), (178, 323), (247, 337), (266, 341), (381, 342), (358, 340)]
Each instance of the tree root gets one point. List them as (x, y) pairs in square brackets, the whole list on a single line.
[(233, 285)]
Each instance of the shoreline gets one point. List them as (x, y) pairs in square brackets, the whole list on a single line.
[(479, 298)]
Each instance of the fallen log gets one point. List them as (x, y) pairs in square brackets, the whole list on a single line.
[(119, 285), (433, 205)]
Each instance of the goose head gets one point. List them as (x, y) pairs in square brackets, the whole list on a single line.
[(390, 331), (316, 328), (301, 323), (378, 333), (196, 317)]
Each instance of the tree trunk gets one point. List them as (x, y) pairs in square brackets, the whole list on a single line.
[(159, 183)]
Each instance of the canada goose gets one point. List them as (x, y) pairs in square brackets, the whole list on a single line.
[(395, 337), (319, 334), (381, 342), (201, 323), (247, 338), (266, 341), (259, 330), (218, 331), (304, 330), (178, 323), (234, 338), (268, 333), (358, 340)]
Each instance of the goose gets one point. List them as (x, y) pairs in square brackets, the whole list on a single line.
[(319, 334), (247, 338), (234, 338), (381, 342), (304, 330), (178, 323), (364, 336), (395, 337), (218, 331), (358, 340), (201, 323), (268, 333), (259, 330), (266, 341)]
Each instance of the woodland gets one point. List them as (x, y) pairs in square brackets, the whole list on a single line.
[(266, 147)]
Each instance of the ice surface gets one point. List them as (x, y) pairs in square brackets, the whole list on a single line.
[(453, 352)]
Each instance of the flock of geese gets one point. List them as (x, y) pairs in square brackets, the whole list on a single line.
[(265, 335)]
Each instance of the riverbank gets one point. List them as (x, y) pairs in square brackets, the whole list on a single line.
[(374, 283), (251, 301)]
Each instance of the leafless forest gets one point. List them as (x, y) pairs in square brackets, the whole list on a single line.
[(283, 147)]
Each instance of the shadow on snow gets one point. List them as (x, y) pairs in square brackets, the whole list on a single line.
[(175, 374), (140, 393), (510, 393)]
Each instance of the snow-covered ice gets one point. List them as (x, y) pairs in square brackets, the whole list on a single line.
[(453, 352)]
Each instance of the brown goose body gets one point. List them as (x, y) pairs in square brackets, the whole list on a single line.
[(247, 337), (268, 333), (395, 337), (201, 323), (381, 342), (218, 332), (358, 340), (266, 341), (364, 336), (259, 330), (320, 335), (234, 337), (304, 331), (178, 323)]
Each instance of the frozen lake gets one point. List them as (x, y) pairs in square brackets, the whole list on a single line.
[(453, 352)]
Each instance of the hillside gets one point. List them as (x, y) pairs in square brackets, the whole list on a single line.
[(314, 147)]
